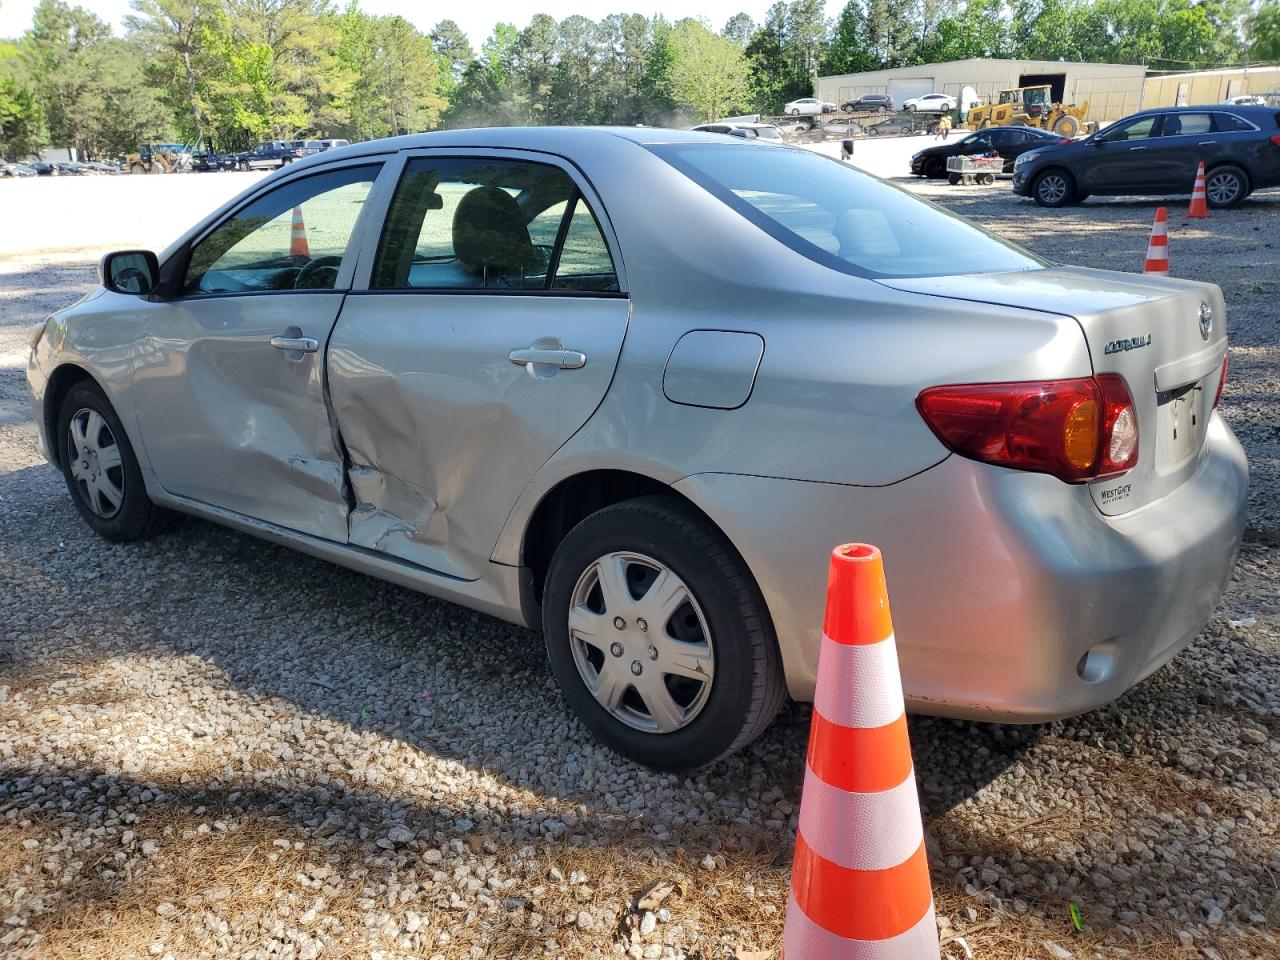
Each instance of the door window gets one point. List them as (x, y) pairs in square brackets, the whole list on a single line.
[(293, 238), (1186, 125), (1138, 129), (491, 224)]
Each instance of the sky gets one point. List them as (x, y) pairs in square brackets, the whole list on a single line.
[(476, 19)]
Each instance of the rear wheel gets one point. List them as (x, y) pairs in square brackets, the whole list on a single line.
[(101, 469), (658, 636), (1226, 186), (1053, 188)]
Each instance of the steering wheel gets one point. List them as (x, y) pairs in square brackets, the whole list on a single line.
[(313, 277)]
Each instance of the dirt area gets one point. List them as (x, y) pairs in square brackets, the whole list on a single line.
[(212, 747)]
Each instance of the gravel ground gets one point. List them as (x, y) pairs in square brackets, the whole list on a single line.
[(210, 746)]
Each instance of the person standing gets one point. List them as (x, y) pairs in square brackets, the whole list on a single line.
[(944, 126)]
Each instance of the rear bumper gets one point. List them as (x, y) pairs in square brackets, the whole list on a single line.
[(1013, 598)]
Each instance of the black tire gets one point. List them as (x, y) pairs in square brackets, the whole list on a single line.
[(136, 518), (953, 178), (935, 168), (747, 690), (1229, 183), (1053, 188)]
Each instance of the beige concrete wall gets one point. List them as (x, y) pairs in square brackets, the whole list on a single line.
[(1209, 87), (1113, 90)]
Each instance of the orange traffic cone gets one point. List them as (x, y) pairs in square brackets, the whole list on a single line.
[(859, 883), (298, 236), (1158, 246), (1198, 208)]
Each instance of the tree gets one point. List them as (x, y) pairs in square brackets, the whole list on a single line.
[(454, 50), (740, 28), (708, 72), (848, 51), (1264, 32), (22, 131), (172, 31), (772, 78)]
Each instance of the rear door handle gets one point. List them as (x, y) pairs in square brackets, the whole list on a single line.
[(1207, 143), (300, 344), (563, 359), (1137, 148)]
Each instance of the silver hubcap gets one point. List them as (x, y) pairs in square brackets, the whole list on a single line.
[(95, 461), (641, 642), (1052, 188), (1222, 187)]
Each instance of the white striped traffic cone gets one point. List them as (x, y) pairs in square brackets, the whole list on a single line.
[(298, 236), (1158, 245), (860, 883), (1199, 204)]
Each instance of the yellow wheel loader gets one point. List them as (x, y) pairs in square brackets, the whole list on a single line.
[(1031, 107), (148, 159)]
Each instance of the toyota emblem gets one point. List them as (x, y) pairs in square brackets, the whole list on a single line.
[(1206, 320)]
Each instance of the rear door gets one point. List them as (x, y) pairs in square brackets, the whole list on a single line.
[(1124, 158), (1186, 140), (486, 335)]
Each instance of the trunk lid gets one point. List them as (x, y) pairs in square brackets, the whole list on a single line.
[(1148, 330)]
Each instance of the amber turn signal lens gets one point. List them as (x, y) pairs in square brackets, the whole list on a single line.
[(1080, 435)]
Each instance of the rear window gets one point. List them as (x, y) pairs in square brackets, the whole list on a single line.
[(840, 217)]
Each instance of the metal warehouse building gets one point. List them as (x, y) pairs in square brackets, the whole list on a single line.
[(1209, 86), (1113, 90)]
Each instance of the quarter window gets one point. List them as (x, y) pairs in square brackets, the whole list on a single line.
[(1230, 123), (490, 224), (293, 238)]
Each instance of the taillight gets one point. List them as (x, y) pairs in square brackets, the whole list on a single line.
[(1276, 140), (1077, 430), (1222, 379)]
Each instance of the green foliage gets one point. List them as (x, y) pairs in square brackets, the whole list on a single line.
[(22, 132), (708, 72), (1264, 32)]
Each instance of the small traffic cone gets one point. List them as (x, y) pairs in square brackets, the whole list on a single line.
[(859, 882), (1199, 207), (1158, 245), (298, 236)]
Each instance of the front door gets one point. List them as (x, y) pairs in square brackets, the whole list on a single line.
[(230, 379), (1126, 157), (488, 335)]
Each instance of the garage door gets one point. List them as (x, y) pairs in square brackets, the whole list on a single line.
[(904, 90)]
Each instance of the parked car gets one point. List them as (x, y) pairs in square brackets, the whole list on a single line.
[(334, 144), (900, 125), (1246, 100), (931, 103), (8, 169), (1007, 142), (879, 102), (43, 168), (212, 162), (306, 148), (1157, 152), (1027, 455), (747, 131), (272, 153), (808, 106)]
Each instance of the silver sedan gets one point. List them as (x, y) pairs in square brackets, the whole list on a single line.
[(631, 386)]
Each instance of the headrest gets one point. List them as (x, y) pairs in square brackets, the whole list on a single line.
[(489, 231)]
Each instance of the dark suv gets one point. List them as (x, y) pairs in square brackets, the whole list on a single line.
[(879, 102), (271, 153), (1157, 152)]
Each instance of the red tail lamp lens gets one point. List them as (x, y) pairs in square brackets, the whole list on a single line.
[(1076, 430)]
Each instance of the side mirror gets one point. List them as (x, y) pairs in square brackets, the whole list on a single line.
[(133, 272)]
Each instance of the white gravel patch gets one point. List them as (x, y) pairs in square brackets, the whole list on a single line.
[(214, 747)]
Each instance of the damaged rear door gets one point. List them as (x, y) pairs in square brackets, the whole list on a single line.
[(488, 335), (229, 387)]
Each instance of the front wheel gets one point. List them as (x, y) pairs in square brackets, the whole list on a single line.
[(1053, 188), (101, 469), (795, 111), (658, 635), (1225, 187)]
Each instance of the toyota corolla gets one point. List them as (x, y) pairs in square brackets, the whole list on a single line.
[(630, 387)]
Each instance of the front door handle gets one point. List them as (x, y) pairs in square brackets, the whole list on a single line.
[(300, 344), (1208, 143), (559, 358), (1137, 148)]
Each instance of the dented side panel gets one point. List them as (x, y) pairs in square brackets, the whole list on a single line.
[(441, 428), (231, 421)]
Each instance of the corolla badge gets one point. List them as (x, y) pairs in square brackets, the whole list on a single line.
[(1206, 320), (1129, 343)]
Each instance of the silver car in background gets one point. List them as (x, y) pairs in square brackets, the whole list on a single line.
[(630, 386)]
